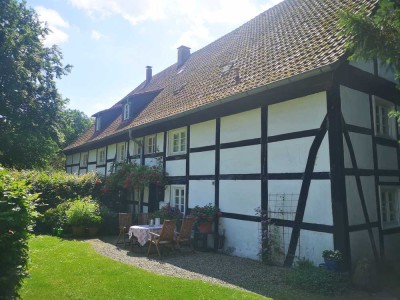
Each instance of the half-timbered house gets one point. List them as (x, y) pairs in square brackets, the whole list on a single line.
[(271, 115)]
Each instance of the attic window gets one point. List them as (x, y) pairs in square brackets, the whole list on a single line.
[(126, 112), (179, 89), (98, 123)]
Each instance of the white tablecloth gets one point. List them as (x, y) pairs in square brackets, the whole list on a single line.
[(142, 232)]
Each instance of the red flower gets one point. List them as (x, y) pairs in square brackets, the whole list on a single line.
[(219, 214), (105, 191), (97, 182)]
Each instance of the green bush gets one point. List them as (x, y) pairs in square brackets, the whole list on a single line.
[(56, 217), (17, 211), (83, 212), (317, 280)]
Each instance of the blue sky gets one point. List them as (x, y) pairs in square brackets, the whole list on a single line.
[(110, 42)]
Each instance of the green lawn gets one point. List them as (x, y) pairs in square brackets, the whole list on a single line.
[(64, 269)]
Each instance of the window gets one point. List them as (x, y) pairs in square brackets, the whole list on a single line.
[(98, 123), (121, 152), (150, 144), (177, 141), (126, 111), (178, 197), (390, 212), (384, 126), (137, 146), (84, 159), (101, 156)]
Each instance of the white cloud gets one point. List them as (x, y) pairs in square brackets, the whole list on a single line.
[(55, 23), (193, 19), (96, 35)]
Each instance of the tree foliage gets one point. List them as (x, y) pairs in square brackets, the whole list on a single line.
[(375, 35), (30, 105), (75, 124)]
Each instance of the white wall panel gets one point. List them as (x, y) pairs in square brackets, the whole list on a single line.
[(241, 160), (202, 134), (201, 192), (75, 170), (291, 156), (296, 115), (385, 72), (367, 66), (111, 150), (69, 170), (160, 142), (362, 146), (101, 171), (92, 155), (242, 126), (392, 248), (319, 205), (241, 237), (240, 196), (109, 167), (69, 160), (151, 161), (76, 158), (387, 157), (355, 107), (360, 245), (146, 195), (354, 208), (82, 171), (136, 161), (388, 179), (202, 163), (91, 167), (176, 167), (312, 244)]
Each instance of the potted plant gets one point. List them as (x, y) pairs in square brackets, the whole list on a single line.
[(333, 259), (94, 224), (205, 216), (167, 212)]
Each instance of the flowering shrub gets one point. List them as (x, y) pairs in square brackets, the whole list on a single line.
[(167, 212), (335, 255), (206, 213)]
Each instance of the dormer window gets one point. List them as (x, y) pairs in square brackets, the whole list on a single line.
[(126, 112), (98, 123)]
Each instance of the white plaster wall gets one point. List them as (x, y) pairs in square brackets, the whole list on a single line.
[(296, 115), (176, 167), (367, 66), (291, 156), (159, 142), (101, 171), (92, 155), (319, 204), (69, 160), (69, 170), (146, 195), (385, 72), (241, 160), (387, 157), (75, 170), (109, 167), (354, 208), (362, 146), (242, 126), (392, 247), (150, 161), (360, 245), (242, 237), (82, 171), (91, 168), (136, 161), (311, 244), (202, 163), (76, 158), (240, 196), (111, 149), (130, 147), (355, 107), (201, 192), (202, 134), (388, 179)]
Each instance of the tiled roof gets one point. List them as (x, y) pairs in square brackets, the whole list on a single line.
[(293, 37)]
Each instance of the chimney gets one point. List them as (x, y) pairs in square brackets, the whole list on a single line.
[(149, 74), (183, 55)]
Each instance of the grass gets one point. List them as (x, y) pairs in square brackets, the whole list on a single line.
[(65, 269)]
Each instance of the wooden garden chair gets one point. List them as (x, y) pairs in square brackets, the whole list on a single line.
[(142, 219), (124, 222), (166, 236), (185, 235)]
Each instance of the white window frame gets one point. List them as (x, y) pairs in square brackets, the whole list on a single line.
[(172, 137), (98, 123), (137, 146), (121, 152), (150, 144), (126, 112), (182, 201), (381, 109), (389, 210), (84, 159), (101, 156)]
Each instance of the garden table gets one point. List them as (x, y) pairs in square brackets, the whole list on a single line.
[(142, 232)]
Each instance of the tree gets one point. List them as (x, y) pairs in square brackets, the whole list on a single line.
[(375, 35), (75, 124), (30, 105)]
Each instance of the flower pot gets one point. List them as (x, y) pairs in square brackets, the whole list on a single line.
[(78, 230), (332, 265), (93, 231), (205, 227)]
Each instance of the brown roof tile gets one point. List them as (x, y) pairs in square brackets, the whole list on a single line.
[(291, 38)]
